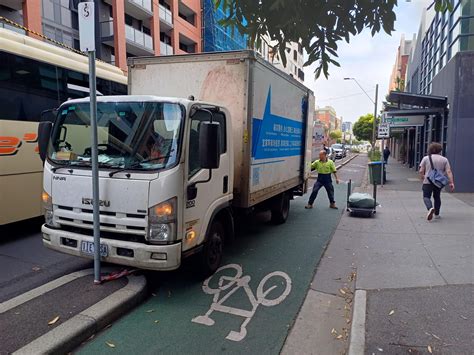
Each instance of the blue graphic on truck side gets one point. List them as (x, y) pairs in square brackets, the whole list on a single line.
[(275, 136)]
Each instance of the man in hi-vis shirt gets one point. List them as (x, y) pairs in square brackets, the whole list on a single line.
[(325, 167)]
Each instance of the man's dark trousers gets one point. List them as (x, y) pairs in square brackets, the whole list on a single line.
[(320, 182)]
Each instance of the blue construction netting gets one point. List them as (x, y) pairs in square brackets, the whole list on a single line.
[(218, 38)]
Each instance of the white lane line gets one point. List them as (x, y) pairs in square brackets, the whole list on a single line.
[(41, 290), (357, 341)]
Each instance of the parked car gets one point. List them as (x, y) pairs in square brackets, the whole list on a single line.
[(331, 154), (339, 151)]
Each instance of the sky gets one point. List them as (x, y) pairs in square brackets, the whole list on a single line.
[(369, 60)]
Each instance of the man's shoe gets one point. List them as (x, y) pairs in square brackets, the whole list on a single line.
[(308, 206), (333, 206), (430, 214), (437, 216)]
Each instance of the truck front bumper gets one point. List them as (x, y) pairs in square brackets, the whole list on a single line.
[(151, 257)]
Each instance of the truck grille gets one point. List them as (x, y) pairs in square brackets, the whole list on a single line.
[(110, 222)]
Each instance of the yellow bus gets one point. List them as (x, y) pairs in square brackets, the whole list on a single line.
[(36, 76)]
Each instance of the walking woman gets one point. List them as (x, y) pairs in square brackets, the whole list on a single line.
[(434, 161)]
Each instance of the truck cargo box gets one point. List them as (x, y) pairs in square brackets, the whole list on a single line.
[(270, 113)]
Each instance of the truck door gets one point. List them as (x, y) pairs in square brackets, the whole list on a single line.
[(211, 194)]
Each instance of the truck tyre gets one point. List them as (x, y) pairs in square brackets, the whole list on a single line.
[(281, 209), (211, 257)]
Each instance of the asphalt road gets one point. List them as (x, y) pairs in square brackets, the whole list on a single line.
[(26, 264)]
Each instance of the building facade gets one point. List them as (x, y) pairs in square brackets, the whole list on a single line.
[(399, 71), (216, 37), (441, 66), (124, 28), (347, 127), (327, 115), (294, 58)]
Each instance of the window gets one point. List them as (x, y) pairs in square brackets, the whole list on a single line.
[(198, 118), (28, 87), (128, 20), (295, 55)]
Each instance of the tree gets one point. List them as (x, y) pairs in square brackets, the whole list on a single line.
[(363, 128), (318, 25), (337, 134)]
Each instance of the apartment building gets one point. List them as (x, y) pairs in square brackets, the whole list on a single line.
[(294, 58), (124, 28), (440, 69), (327, 115), (399, 71)]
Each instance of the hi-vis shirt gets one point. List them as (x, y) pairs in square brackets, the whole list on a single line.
[(324, 169)]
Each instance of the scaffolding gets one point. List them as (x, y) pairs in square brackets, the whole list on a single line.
[(217, 38)]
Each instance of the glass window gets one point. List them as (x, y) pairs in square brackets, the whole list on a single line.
[(132, 135), (48, 10), (197, 119)]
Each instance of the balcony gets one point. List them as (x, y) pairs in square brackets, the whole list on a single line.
[(12, 4), (138, 43), (166, 49), (166, 19), (139, 9), (12, 28)]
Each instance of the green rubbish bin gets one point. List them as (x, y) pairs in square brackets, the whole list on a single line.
[(375, 173)]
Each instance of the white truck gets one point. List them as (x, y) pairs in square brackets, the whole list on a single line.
[(199, 139)]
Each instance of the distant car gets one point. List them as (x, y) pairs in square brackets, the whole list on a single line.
[(331, 153), (339, 151)]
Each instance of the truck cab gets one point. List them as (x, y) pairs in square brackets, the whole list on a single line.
[(165, 180)]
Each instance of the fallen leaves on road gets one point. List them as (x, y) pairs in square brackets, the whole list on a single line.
[(430, 350), (53, 321), (110, 345), (465, 318), (35, 268), (150, 311), (392, 312), (157, 321), (333, 331), (342, 291)]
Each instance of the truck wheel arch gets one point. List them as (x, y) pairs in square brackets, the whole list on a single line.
[(223, 213)]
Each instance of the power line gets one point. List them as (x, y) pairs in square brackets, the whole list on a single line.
[(343, 97)]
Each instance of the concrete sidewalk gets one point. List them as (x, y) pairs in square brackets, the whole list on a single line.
[(413, 279)]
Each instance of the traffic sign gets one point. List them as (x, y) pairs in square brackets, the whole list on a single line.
[(384, 130), (86, 26)]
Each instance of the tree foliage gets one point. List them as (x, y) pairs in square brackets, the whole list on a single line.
[(319, 25), (363, 128), (337, 134)]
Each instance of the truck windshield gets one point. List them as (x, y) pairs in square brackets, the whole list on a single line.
[(142, 135)]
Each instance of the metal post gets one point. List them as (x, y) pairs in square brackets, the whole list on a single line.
[(383, 147), (95, 167), (375, 115)]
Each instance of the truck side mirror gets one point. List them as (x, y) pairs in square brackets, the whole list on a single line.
[(209, 145), (44, 134)]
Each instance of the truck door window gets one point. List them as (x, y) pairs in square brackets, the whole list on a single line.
[(198, 118)]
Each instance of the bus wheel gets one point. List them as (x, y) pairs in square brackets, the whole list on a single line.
[(281, 209), (213, 249)]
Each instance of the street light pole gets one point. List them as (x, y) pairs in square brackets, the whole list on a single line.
[(375, 115), (374, 126)]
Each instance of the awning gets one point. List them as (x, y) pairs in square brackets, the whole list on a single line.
[(400, 98)]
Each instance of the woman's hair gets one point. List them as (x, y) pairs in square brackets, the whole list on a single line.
[(435, 148)]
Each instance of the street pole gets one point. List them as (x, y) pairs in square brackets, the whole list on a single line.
[(375, 115), (87, 44), (95, 167)]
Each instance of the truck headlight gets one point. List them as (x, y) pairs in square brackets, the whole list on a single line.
[(162, 222), (47, 208)]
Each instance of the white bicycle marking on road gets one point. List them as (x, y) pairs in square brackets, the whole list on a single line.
[(232, 284)]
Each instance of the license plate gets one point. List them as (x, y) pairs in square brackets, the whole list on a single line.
[(88, 248)]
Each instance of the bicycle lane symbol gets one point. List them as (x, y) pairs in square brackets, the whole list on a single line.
[(231, 284)]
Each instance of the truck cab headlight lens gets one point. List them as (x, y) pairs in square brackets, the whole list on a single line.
[(162, 222)]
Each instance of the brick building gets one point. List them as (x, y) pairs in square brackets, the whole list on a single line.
[(124, 28)]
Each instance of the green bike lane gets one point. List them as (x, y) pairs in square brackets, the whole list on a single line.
[(164, 323)]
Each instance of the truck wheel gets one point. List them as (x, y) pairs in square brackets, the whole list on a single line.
[(281, 209), (213, 249)]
